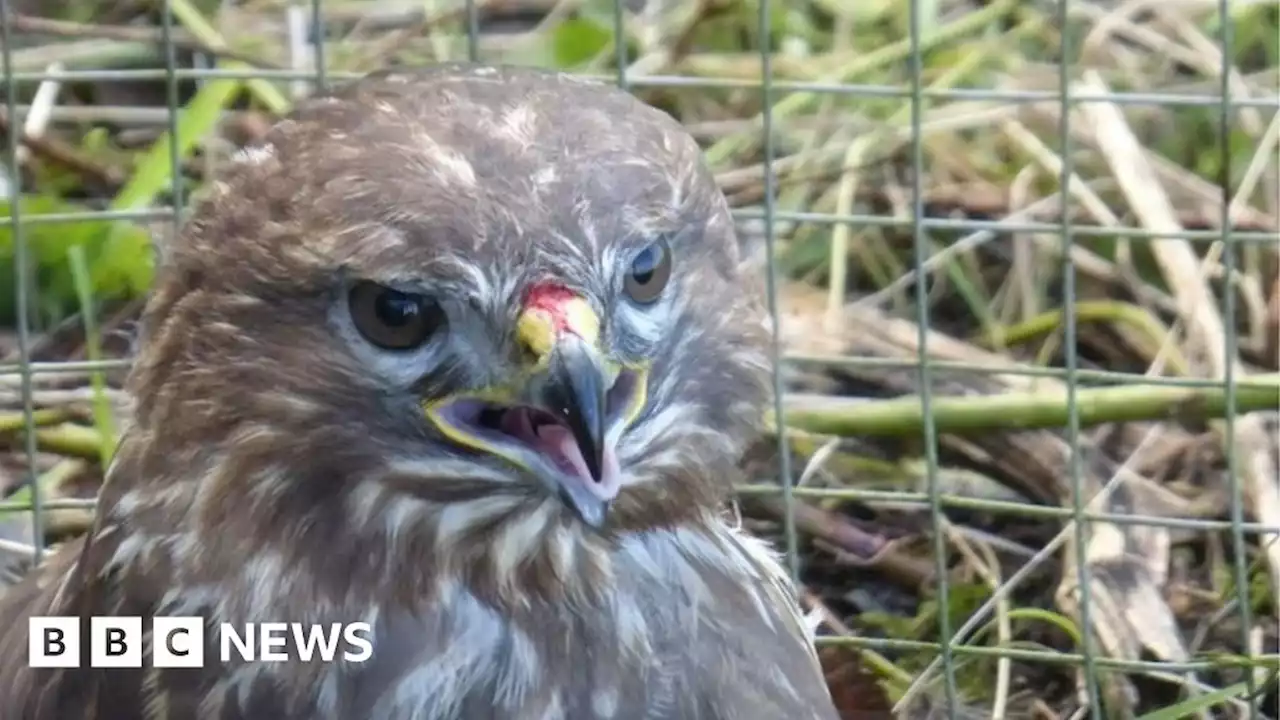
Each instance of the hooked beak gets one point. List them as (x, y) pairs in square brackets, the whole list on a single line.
[(576, 389), (563, 422)]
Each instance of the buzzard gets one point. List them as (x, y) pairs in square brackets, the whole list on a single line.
[(468, 354)]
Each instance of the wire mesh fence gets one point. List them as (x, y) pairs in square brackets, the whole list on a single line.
[(1022, 256)]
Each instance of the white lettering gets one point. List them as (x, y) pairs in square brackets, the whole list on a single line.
[(273, 641), (353, 635), (244, 645), (328, 642), (279, 641)]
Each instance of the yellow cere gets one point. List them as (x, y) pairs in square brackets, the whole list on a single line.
[(536, 328), (536, 331), (582, 320)]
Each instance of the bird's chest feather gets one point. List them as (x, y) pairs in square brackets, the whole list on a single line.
[(671, 639), (682, 627), (472, 662)]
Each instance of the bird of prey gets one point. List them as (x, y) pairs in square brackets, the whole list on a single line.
[(469, 354)]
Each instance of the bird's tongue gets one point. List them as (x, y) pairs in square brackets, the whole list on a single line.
[(551, 440)]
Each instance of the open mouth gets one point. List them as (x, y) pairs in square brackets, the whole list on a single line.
[(535, 429), (549, 433)]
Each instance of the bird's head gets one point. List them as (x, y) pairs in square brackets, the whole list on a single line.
[(488, 288), (560, 417)]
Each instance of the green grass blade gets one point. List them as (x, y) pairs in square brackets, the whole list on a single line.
[(266, 93), (155, 172), (102, 415), (1194, 706)]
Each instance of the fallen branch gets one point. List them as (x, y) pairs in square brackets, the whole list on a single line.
[(1025, 411)]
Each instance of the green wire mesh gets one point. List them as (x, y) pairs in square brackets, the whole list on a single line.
[(1210, 393)]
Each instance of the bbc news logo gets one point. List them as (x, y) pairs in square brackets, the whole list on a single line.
[(179, 642)]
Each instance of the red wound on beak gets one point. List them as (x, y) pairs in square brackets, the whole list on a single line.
[(550, 298)]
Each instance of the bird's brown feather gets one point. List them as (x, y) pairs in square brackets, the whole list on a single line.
[(276, 469)]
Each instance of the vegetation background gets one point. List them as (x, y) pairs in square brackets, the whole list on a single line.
[(1167, 280)]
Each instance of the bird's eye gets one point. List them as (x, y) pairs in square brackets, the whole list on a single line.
[(391, 319), (649, 273)]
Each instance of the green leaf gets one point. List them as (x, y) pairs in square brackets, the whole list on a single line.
[(118, 255), (577, 41)]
